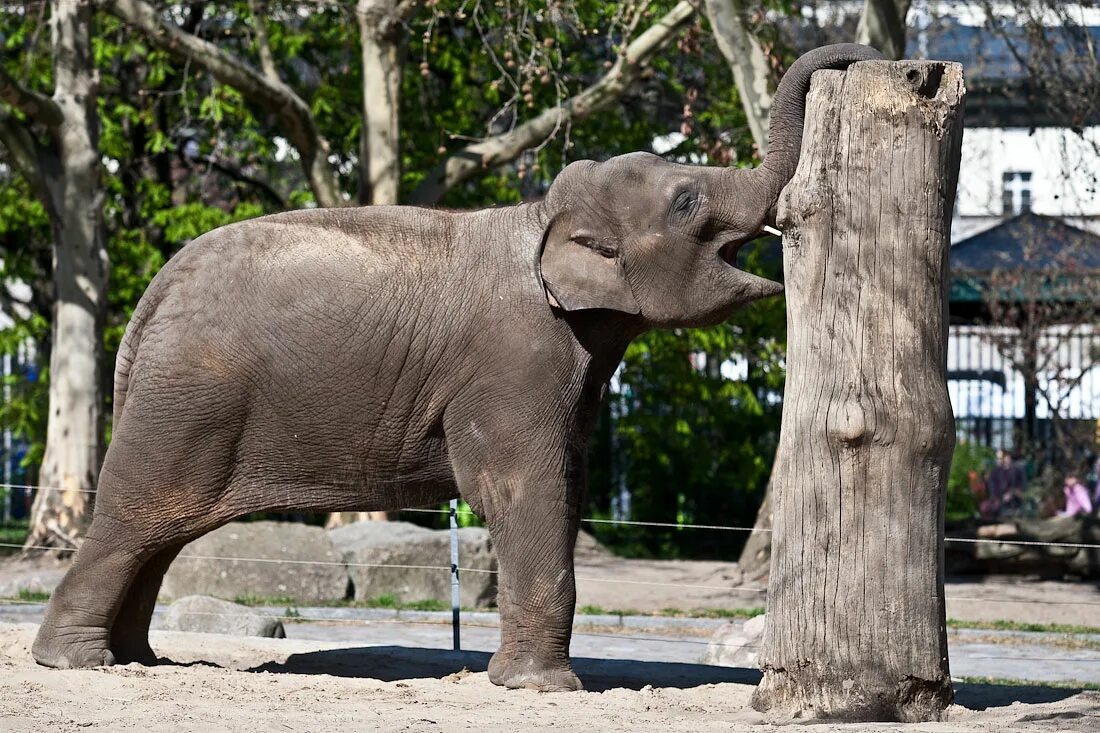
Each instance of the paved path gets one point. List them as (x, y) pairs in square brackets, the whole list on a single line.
[(974, 653)]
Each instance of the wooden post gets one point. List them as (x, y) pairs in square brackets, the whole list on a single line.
[(855, 626)]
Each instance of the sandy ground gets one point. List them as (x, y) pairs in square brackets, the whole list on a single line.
[(248, 685), (228, 684)]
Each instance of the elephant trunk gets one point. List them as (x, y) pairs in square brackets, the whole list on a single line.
[(789, 111)]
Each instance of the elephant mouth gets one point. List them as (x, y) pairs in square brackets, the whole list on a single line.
[(760, 287), (728, 251)]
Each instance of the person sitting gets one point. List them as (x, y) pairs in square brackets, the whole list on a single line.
[(1077, 498), (1006, 484)]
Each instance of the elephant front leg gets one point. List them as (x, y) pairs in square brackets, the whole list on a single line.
[(536, 594)]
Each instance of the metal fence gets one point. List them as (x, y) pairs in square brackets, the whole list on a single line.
[(1056, 411)]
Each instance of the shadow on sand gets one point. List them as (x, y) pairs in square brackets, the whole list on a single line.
[(976, 696), (395, 663), (392, 663)]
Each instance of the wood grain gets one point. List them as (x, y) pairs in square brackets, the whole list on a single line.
[(855, 601)]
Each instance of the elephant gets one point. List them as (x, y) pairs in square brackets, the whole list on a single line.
[(375, 358)]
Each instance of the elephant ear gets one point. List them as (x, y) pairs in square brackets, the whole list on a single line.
[(580, 272)]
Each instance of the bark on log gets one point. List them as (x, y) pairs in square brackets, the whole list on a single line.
[(856, 626)]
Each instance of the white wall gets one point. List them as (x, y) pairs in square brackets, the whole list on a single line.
[(1065, 170)]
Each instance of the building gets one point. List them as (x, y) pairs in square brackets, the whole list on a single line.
[(1024, 342)]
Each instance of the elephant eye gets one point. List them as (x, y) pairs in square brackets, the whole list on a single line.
[(683, 205)]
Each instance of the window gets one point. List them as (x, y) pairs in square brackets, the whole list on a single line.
[(1016, 192)]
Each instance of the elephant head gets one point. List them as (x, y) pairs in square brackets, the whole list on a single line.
[(641, 235)]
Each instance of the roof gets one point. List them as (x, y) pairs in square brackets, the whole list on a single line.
[(989, 56), (1028, 241), (1056, 259)]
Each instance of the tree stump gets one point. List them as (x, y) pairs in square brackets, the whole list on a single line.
[(856, 626)]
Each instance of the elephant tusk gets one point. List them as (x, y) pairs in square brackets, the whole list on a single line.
[(772, 230)]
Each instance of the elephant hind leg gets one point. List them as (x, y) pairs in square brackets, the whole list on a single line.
[(129, 640), (76, 630), (100, 612)]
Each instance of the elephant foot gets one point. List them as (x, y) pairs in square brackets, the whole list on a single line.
[(528, 671), (72, 647), (137, 650)]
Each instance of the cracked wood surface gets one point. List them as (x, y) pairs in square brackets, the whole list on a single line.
[(856, 601)]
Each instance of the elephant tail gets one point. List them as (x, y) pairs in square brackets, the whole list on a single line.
[(131, 339)]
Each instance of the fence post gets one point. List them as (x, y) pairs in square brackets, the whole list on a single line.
[(855, 624), (8, 490), (456, 595)]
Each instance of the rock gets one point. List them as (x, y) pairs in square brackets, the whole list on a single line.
[(227, 578), (588, 547), (215, 616), (31, 576), (364, 544), (736, 644)]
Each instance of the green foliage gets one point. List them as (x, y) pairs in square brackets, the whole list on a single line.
[(391, 601), (590, 610), (1007, 682), (1008, 625), (745, 613), (969, 458), (184, 154), (12, 533), (33, 596), (692, 445), (252, 600)]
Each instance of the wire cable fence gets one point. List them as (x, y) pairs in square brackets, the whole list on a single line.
[(456, 569), (667, 525), (581, 578)]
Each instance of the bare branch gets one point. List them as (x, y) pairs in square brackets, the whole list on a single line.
[(267, 61), (752, 72), (37, 107), (272, 95), (882, 25), (494, 151), (240, 176)]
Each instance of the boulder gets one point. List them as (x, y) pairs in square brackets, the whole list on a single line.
[(736, 644), (588, 547), (286, 552), (215, 616), (37, 576), (364, 545)]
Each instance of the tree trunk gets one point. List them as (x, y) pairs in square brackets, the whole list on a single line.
[(755, 559), (882, 26), (74, 432), (856, 624), (379, 157)]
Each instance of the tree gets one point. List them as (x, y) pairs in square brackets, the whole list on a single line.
[(856, 623), (53, 141), (754, 47), (193, 110), (265, 89)]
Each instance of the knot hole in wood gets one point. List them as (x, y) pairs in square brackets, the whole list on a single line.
[(925, 79)]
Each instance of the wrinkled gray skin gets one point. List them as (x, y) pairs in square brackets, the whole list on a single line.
[(386, 357)]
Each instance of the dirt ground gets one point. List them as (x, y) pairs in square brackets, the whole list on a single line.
[(222, 683), (249, 685)]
